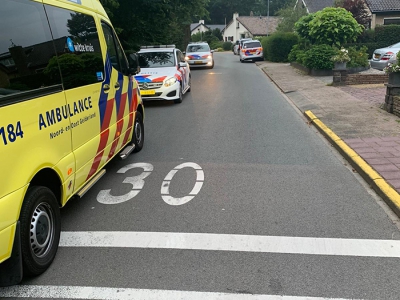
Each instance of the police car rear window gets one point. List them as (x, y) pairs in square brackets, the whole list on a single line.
[(251, 45)]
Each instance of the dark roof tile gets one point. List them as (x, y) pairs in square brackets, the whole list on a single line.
[(383, 5), (317, 5)]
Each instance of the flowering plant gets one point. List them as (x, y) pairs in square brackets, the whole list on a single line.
[(341, 56), (393, 68)]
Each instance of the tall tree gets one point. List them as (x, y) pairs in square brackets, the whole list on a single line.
[(221, 9), (357, 8), (290, 15), (144, 22)]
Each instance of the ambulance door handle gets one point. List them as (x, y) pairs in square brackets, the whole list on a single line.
[(106, 88), (117, 86)]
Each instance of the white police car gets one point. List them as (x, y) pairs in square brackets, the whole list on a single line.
[(164, 73), (251, 50), (199, 55)]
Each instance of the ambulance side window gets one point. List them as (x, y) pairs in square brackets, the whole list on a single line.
[(114, 50), (27, 53), (76, 42)]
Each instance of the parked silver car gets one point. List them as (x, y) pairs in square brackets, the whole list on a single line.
[(383, 56)]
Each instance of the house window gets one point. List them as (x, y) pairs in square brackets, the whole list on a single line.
[(237, 24), (389, 21)]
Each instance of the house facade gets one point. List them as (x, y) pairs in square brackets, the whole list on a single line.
[(384, 12), (201, 27), (249, 27)]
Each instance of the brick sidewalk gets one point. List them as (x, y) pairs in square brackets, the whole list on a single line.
[(352, 112)]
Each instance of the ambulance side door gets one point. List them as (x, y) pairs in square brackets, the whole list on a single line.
[(76, 37), (122, 85)]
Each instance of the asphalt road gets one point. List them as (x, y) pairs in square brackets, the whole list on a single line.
[(234, 196)]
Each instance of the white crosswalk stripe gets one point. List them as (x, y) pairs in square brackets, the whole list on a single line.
[(78, 292), (233, 242), (198, 241)]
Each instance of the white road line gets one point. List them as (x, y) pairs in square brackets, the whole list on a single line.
[(81, 292), (228, 242)]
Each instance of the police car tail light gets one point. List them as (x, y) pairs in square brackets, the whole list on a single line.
[(170, 81)]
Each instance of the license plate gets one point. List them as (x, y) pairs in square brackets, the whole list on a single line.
[(198, 62), (147, 92)]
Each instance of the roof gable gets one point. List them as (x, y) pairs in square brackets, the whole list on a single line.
[(383, 5), (317, 5), (259, 25)]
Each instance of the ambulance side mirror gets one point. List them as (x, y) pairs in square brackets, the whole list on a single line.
[(134, 67)]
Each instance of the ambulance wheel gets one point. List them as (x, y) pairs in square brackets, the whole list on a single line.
[(138, 132), (179, 100), (40, 230)]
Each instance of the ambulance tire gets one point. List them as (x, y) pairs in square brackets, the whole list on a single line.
[(179, 100), (40, 230), (138, 132)]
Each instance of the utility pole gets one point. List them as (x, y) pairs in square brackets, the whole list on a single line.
[(267, 16)]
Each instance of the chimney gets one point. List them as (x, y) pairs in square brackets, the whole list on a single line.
[(201, 22), (235, 15), (251, 14)]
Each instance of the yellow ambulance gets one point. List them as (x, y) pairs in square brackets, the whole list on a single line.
[(68, 104)]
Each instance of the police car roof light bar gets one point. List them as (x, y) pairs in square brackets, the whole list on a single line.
[(157, 46)]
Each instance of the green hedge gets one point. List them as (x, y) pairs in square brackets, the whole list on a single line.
[(216, 44), (278, 46), (227, 46), (387, 34)]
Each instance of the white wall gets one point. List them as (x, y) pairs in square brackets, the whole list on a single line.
[(235, 30)]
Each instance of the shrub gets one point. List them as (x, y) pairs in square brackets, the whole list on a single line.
[(302, 27), (334, 26), (319, 57), (216, 44), (227, 46), (359, 57), (297, 54), (278, 46)]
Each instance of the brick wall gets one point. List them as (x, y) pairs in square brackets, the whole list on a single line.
[(352, 79), (341, 77)]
